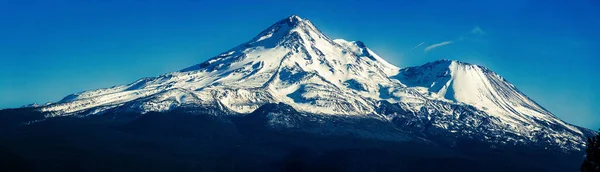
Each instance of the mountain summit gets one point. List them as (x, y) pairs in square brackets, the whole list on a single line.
[(290, 62), (293, 63)]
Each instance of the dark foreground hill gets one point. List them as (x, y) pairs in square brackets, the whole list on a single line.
[(186, 140)]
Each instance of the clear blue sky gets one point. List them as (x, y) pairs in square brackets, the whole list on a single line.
[(548, 49)]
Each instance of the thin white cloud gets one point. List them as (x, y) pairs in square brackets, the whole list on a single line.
[(477, 31), (428, 48), (418, 45)]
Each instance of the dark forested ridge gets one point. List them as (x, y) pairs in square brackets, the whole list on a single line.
[(184, 140), (591, 163)]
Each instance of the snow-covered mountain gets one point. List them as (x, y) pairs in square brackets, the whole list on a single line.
[(290, 62), (293, 63)]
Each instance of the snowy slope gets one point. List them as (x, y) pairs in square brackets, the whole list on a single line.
[(292, 62), (448, 82), (479, 87)]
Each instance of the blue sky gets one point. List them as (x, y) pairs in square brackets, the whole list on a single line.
[(548, 49)]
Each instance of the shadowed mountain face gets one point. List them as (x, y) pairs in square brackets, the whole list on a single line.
[(273, 138), (292, 98)]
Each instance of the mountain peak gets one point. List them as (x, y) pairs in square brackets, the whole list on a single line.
[(447, 64), (287, 29), (449, 61), (295, 18)]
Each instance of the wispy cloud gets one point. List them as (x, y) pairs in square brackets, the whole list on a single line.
[(475, 35), (428, 48), (477, 31), (418, 45)]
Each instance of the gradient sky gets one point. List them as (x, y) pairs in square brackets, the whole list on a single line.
[(547, 49)]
